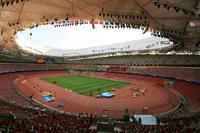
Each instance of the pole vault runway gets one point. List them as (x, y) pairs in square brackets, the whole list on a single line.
[(155, 96)]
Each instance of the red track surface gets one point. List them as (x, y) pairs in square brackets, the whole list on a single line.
[(154, 96)]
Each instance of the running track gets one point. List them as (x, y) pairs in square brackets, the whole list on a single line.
[(75, 103)]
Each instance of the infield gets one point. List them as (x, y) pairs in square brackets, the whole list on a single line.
[(84, 85)]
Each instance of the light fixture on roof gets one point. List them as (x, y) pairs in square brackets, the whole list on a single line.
[(2, 4), (176, 9), (193, 14), (7, 3), (12, 2), (168, 8), (185, 11), (155, 3)]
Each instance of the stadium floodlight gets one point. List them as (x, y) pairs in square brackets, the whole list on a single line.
[(185, 11), (155, 3), (176, 9), (2, 4), (7, 3), (12, 2), (193, 14)]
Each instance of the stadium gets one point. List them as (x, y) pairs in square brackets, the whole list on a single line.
[(149, 85)]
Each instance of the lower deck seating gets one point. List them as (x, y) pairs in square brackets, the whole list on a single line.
[(7, 92)]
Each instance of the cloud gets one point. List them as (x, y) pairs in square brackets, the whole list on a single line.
[(30, 46)]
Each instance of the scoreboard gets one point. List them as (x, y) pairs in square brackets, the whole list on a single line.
[(40, 61), (46, 61)]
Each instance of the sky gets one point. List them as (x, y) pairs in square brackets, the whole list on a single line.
[(76, 37)]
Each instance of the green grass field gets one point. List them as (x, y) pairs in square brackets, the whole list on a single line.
[(85, 85)]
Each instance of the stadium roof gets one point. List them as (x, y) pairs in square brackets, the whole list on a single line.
[(177, 19)]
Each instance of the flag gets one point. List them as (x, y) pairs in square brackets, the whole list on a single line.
[(86, 22), (142, 28), (96, 22), (137, 27), (67, 21), (76, 22), (106, 23), (150, 29), (72, 21)]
